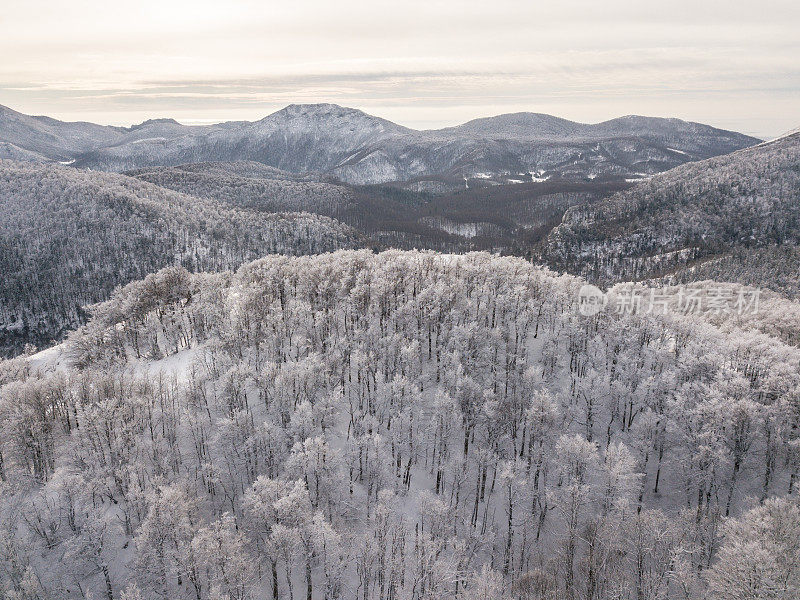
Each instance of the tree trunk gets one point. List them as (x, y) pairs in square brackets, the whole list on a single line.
[(309, 584), (109, 588)]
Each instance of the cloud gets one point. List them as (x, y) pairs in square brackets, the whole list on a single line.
[(587, 60)]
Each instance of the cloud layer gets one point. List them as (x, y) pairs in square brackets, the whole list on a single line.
[(424, 64)]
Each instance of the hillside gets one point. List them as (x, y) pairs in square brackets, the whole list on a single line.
[(404, 425), (252, 185), (775, 268), (64, 141), (56, 140), (358, 148), (69, 237), (748, 199)]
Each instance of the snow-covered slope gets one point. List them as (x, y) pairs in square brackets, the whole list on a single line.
[(11, 151), (63, 141), (745, 199), (402, 425), (516, 125), (252, 185), (55, 139)]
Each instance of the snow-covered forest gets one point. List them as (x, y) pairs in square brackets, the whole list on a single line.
[(738, 202), (403, 425), (463, 214), (69, 237), (252, 185), (773, 267)]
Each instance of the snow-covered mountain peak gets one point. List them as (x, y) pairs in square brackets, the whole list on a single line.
[(332, 117), (516, 125), (321, 109), (151, 122)]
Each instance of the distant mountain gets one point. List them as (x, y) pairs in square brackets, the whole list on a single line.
[(63, 141), (719, 207), (55, 140), (298, 138), (692, 137), (524, 125), (358, 148), (69, 237)]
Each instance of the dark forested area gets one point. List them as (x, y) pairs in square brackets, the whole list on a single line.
[(458, 216)]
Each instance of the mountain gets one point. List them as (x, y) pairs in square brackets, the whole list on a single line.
[(358, 148), (524, 125), (62, 141), (298, 138), (69, 237), (53, 139), (251, 185), (695, 138), (695, 212), (361, 149)]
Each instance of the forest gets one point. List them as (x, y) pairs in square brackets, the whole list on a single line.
[(775, 267), (401, 425), (421, 300), (68, 238), (501, 213), (743, 203)]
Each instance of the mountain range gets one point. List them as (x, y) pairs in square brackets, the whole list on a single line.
[(357, 148)]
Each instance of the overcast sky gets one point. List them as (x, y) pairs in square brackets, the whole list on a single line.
[(733, 63)]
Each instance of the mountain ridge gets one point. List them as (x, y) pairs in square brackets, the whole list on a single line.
[(743, 200), (359, 148)]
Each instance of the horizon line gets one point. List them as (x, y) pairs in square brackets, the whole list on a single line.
[(200, 122)]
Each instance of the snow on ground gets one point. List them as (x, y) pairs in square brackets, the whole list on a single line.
[(174, 364), (51, 359)]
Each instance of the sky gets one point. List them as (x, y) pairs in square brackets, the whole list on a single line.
[(733, 64)]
